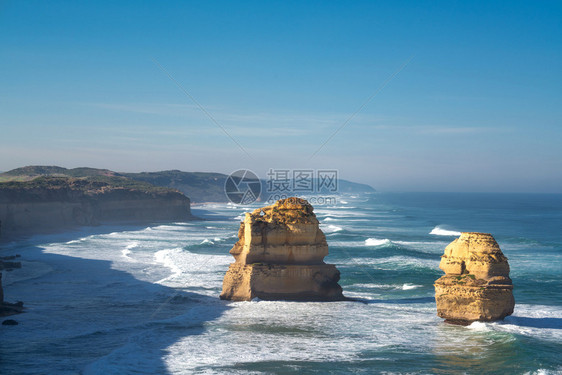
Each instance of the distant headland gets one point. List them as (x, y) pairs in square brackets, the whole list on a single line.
[(40, 199)]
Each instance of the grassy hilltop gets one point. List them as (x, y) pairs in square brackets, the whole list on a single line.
[(198, 186)]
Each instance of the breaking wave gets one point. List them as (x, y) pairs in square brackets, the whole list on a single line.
[(377, 242), (331, 228), (444, 232)]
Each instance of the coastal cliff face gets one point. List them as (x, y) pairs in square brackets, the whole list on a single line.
[(280, 256), (59, 203), (476, 285)]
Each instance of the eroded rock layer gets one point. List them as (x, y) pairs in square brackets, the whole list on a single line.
[(280, 256), (476, 285)]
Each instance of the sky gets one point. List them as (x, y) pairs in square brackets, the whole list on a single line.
[(461, 96)]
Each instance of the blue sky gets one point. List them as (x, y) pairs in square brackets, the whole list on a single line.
[(475, 102)]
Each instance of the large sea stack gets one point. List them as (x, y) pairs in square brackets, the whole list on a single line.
[(280, 256), (476, 285)]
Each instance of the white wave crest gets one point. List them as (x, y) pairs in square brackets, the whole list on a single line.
[(371, 285), (331, 228), (409, 286), (168, 259), (127, 250), (377, 242), (76, 241), (444, 232), (406, 286)]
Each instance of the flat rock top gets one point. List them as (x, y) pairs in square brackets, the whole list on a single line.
[(473, 243), (286, 211)]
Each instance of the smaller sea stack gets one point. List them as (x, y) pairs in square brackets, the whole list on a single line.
[(476, 285), (280, 256)]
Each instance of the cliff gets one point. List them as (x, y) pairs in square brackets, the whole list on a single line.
[(476, 285), (45, 204), (280, 256)]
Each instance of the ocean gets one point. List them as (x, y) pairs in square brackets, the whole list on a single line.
[(144, 299)]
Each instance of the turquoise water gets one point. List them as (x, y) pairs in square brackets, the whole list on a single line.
[(114, 300)]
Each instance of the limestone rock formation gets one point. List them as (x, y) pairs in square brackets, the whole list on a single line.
[(476, 285), (280, 256)]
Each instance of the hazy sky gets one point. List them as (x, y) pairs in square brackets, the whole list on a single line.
[(472, 96)]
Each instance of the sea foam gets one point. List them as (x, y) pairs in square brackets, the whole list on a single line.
[(127, 250)]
